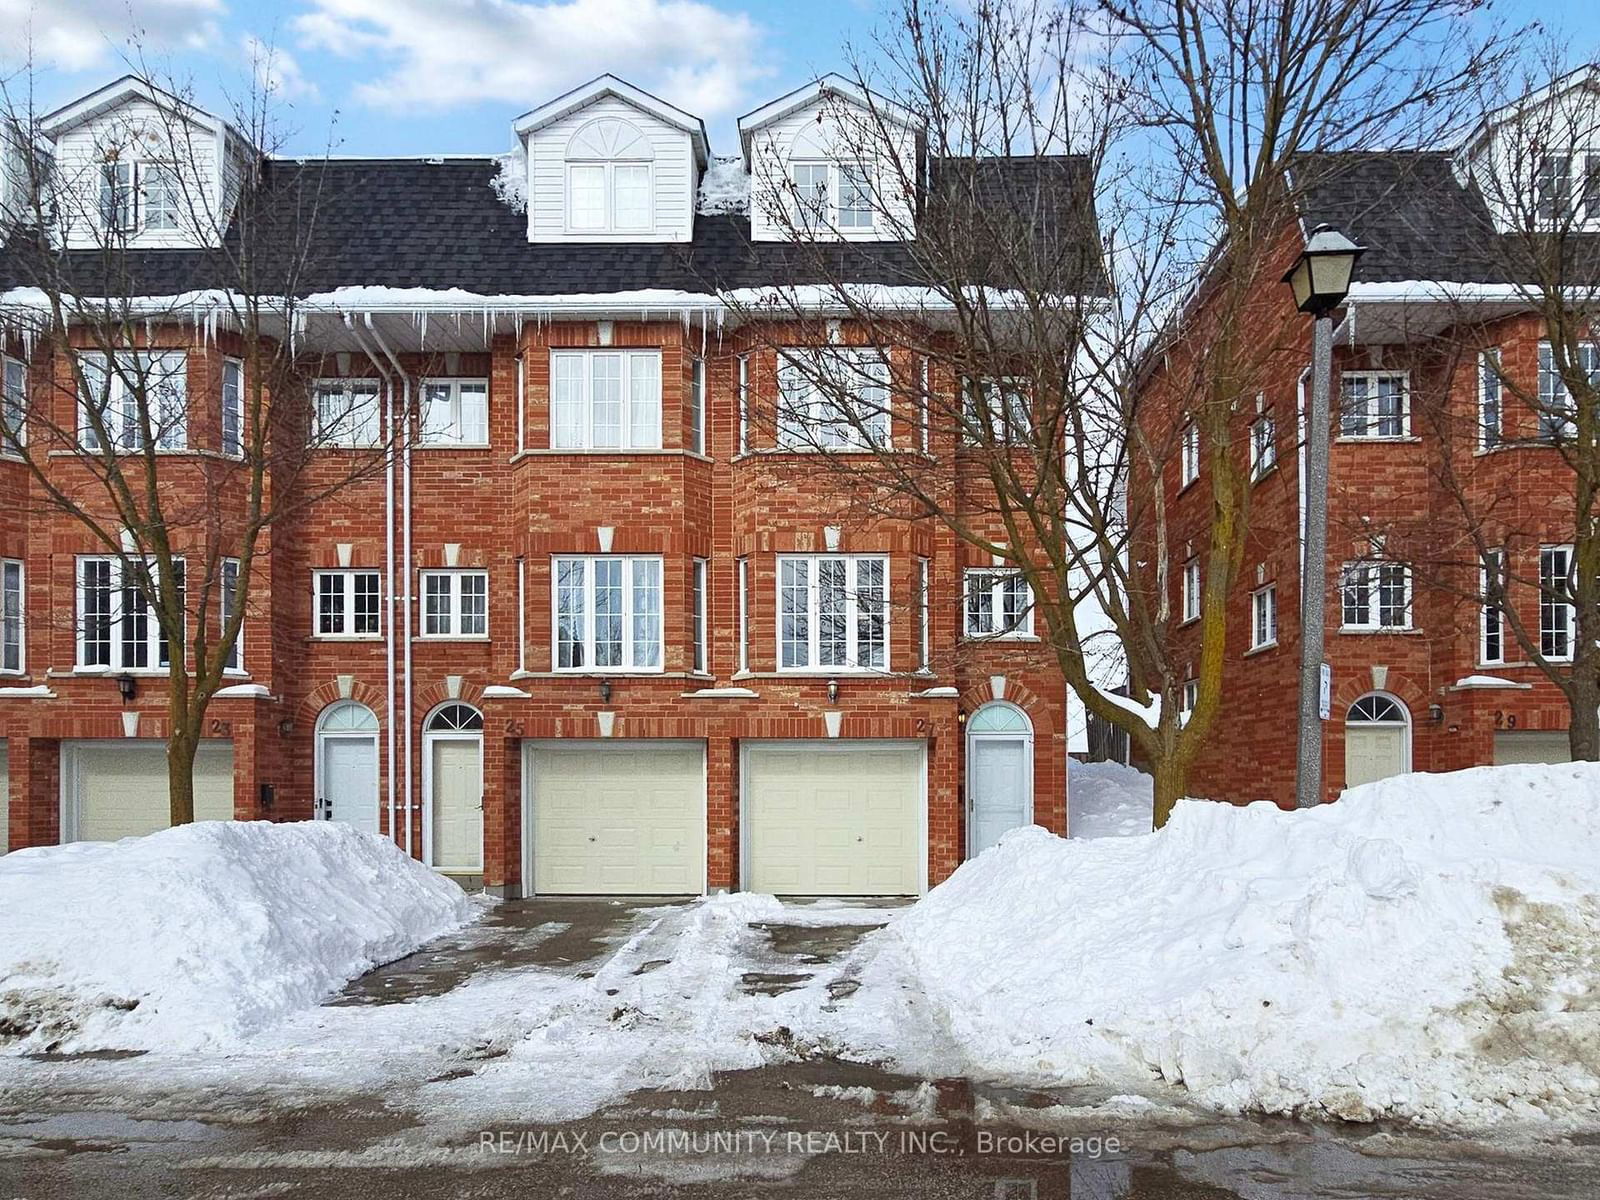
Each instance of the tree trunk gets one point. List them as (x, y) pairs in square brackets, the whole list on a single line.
[(181, 747), (1583, 734), (1169, 787)]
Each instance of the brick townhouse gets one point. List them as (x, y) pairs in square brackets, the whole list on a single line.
[(597, 628), (1424, 677)]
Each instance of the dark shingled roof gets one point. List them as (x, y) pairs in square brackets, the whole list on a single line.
[(438, 224), (1417, 220)]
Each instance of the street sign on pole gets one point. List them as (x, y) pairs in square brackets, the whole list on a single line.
[(1325, 698)]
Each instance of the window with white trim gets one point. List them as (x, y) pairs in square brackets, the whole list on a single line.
[(833, 612), (999, 603), (607, 613), (1189, 455), (112, 392), (455, 412), (744, 403), (924, 632), (346, 412), (1556, 407), (697, 405), (12, 631), (833, 399), (609, 179), (1374, 404), (1376, 595), (455, 604), (138, 195), (1557, 203), (744, 614), (1489, 399), (834, 195), (1263, 445), (232, 406), (116, 627), (234, 659), (1491, 629), (1191, 590), (349, 604), (119, 204), (701, 600), (1188, 696), (1264, 617), (1557, 614), (605, 399), (13, 404), (998, 410)]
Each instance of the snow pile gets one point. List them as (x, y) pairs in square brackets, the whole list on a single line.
[(724, 188), (1427, 949), (1107, 799), (197, 936), (510, 182)]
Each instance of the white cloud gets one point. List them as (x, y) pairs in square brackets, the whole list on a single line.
[(81, 35), (276, 72), (432, 54)]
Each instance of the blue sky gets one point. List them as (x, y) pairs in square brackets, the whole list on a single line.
[(448, 76)]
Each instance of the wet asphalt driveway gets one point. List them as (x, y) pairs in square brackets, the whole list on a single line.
[(819, 1128)]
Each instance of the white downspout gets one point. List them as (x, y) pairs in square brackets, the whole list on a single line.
[(388, 550), (405, 560)]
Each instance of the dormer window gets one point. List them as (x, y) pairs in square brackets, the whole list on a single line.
[(137, 195), (1567, 189), (609, 179), (817, 183)]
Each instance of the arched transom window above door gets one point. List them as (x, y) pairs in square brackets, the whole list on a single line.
[(454, 718), (348, 716), (1377, 708), (999, 718)]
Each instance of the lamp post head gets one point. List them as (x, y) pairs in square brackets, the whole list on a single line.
[(126, 687), (1320, 277)]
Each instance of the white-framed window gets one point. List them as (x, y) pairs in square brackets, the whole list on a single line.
[(455, 412), (1556, 408), (833, 399), (1263, 445), (1191, 590), (1489, 399), (613, 197), (112, 391), (1557, 202), (13, 637), (160, 195), (1376, 595), (833, 612), (855, 196), (1189, 455), (234, 660), (1374, 404), (1264, 616), (13, 403), (232, 406), (139, 195), (998, 410), (924, 631), (811, 191), (1557, 614), (1188, 696), (833, 195), (999, 603), (605, 399), (744, 403), (119, 204), (743, 573), (701, 600), (1491, 628), (697, 405), (116, 627), (349, 603), (346, 412), (606, 613), (455, 604)]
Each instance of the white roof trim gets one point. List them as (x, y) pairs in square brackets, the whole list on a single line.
[(70, 116), (830, 84), (1585, 76), (609, 85)]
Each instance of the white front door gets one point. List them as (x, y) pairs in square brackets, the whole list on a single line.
[(455, 789), (350, 782), (999, 789), (1373, 752)]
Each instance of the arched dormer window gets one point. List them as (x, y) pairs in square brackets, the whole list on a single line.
[(609, 179)]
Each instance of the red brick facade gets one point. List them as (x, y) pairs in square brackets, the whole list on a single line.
[(509, 511)]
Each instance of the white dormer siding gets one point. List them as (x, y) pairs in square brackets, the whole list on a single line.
[(827, 162), (608, 163), (166, 174)]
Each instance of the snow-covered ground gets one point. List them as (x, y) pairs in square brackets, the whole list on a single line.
[(1426, 949), (1107, 799), (199, 936)]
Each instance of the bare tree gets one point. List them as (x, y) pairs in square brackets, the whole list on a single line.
[(175, 465), (1081, 167)]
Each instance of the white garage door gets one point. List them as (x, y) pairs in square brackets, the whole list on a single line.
[(833, 818), (119, 789), (1531, 746), (614, 818), (5, 798)]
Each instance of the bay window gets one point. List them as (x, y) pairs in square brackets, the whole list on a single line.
[(121, 394), (116, 627), (1492, 633), (234, 660), (1557, 615), (834, 399), (232, 406), (12, 640), (13, 404), (833, 612), (607, 613), (701, 602), (1556, 407), (605, 399)]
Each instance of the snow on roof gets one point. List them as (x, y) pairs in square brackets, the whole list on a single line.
[(725, 188)]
